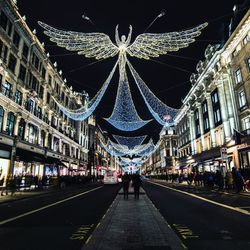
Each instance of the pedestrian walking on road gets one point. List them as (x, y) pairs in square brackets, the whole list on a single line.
[(136, 184), (125, 185)]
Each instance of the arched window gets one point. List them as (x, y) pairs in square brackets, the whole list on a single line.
[(10, 123), (1, 118), (21, 129)]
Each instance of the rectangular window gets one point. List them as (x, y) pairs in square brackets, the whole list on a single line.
[(35, 61), (242, 99), (248, 64), (238, 77), (217, 116), (16, 39), (50, 80), (246, 123), (204, 107), (48, 97), (18, 97), (38, 113), (5, 53), (41, 92), (30, 105), (7, 89), (9, 32), (12, 63), (245, 40), (22, 73), (34, 83), (206, 123), (25, 50), (214, 97), (43, 72), (3, 20)]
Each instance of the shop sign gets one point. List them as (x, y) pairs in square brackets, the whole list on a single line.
[(5, 154)]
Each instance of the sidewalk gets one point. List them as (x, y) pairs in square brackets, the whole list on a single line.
[(133, 224), (18, 195)]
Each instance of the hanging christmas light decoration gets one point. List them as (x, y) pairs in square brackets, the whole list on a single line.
[(85, 111), (146, 45), (124, 116), (160, 111), (130, 142)]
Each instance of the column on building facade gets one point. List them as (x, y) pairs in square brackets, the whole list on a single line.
[(192, 131), (201, 124), (5, 117), (211, 119), (46, 138), (230, 98), (60, 145), (171, 147), (224, 111), (52, 142), (26, 130), (39, 135)]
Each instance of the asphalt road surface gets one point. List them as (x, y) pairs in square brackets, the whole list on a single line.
[(55, 221), (201, 224)]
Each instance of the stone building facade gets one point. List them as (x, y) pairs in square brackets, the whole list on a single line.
[(36, 138)]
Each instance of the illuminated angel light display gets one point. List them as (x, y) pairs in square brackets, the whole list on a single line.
[(145, 46)]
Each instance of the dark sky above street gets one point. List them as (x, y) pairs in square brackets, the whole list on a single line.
[(168, 78)]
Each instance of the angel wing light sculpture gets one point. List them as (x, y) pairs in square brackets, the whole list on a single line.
[(145, 46)]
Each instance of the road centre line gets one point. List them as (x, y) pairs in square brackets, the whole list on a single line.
[(237, 209), (47, 206)]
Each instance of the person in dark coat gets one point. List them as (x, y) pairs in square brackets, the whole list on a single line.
[(125, 185), (136, 184)]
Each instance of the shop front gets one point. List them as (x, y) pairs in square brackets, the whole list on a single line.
[(29, 163), (5, 153)]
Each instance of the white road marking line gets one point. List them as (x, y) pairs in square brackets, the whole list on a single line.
[(237, 209), (44, 207)]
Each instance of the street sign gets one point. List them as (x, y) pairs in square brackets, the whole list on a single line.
[(223, 152)]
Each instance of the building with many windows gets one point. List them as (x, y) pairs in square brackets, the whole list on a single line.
[(213, 123), (162, 161), (36, 138)]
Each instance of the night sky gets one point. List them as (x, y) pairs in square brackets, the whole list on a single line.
[(168, 78)]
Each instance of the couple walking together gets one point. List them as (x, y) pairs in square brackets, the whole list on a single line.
[(136, 183)]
